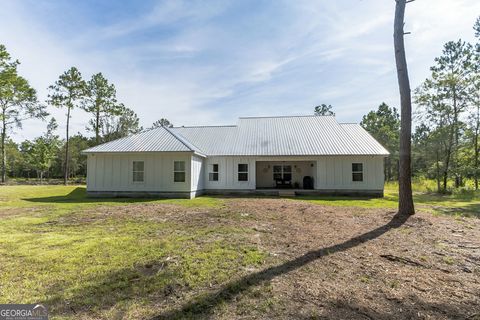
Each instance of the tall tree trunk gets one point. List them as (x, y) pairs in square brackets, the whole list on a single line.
[(437, 165), (405, 198), (65, 172), (4, 152), (477, 128), (448, 158), (97, 126)]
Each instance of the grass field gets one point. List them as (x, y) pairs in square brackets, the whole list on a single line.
[(458, 204), (132, 258)]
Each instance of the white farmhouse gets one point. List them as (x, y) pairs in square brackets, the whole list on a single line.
[(267, 155)]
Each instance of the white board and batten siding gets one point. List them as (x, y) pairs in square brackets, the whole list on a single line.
[(197, 175), (228, 173), (113, 172), (329, 172), (335, 173)]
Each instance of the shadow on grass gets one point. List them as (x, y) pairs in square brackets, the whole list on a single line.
[(79, 195), (471, 210), (204, 306), (104, 291)]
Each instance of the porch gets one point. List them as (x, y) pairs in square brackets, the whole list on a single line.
[(297, 176)]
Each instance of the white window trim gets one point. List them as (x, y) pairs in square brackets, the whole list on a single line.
[(184, 171), (247, 172), (210, 171), (362, 172), (138, 182)]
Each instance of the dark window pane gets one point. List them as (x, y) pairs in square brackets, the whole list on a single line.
[(357, 176), (287, 176), (242, 167), (287, 168), (277, 176), (213, 176), (138, 176), (242, 176), (277, 168), (179, 176), (138, 165), (179, 166), (357, 167), (215, 168)]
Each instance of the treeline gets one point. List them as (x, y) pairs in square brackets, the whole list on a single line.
[(49, 155), (445, 143)]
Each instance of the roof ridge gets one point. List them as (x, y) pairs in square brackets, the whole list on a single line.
[(293, 116), (205, 126), (184, 141)]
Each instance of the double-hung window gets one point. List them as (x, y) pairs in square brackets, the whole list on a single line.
[(179, 171), (213, 174), (138, 173), (242, 172), (357, 171)]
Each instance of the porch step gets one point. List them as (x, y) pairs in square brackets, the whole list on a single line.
[(286, 193)]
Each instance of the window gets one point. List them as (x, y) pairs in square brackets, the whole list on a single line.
[(242, 172), (179, 171), (213, 174), (282, 172), (138, 171), (357, 171)]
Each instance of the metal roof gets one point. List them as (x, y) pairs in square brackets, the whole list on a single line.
[(154, 140), (293, 135), (257, 136)]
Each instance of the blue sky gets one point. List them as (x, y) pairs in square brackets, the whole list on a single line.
[(209, 62)]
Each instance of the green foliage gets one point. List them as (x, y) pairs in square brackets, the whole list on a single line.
[(18, 101), (41, 153), (101, 103), (126, 122), (443, 99), (77, 161), (384, 125), (476, 27), (69, 90), (162, 123), (324, 110)]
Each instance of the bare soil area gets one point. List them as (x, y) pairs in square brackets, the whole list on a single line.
[(339, 263), (238, 258)]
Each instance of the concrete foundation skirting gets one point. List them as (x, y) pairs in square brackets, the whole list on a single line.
[(298, 192), (232, 192), (141, 194)]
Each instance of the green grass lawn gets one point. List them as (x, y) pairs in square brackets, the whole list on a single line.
[(457, 204), (55, 247), (76, 254)]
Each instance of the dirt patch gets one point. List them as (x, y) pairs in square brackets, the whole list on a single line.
[(346, 263), (323, 262)]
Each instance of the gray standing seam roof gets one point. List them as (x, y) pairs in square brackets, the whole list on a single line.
[(256, 136), (154, 140)]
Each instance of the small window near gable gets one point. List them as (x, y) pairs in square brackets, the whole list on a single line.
[(242, 172), (213, 174), (179, 171), (357, 171), (138, 171)]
